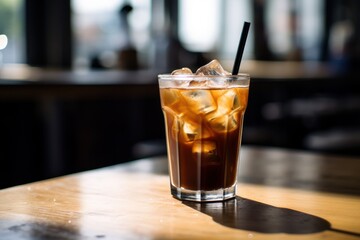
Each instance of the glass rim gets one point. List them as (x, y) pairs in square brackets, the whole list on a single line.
[(202, 77)]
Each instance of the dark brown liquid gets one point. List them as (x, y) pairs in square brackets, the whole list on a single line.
[(203, 146)]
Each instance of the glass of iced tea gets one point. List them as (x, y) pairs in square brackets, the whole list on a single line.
[(203, 117)]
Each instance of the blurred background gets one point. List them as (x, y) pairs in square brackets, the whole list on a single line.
[(78, 78)]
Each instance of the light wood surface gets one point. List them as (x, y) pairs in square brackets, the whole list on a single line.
[(281, 195)]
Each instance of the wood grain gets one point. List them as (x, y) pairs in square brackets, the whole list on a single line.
[(133, 201)]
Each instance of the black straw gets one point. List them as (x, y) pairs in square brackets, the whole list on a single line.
[(241, 47)]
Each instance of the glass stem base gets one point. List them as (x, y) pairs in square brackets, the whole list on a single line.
[(202, 195)]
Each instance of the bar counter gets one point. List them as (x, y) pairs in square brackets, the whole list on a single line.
[(282, 194)]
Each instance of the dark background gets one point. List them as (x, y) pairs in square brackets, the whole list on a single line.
[(55, 121)]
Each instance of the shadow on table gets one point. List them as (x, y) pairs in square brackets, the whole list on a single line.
[(246, 214)]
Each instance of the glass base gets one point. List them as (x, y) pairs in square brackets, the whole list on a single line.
[(204, 196)]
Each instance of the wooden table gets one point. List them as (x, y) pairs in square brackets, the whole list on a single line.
[(281, 195)]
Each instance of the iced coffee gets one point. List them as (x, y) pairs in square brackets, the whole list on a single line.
[(203, 114)]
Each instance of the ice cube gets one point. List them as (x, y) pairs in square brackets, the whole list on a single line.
[(224, 123), (169, 97), (199, 101), (173, 103), (198, 84), (192, 131), (205, 150), (241, 101), (228, 102), (212, 68), (182, 71)]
